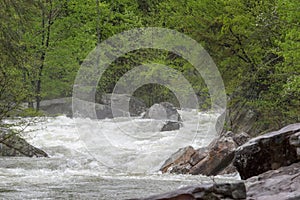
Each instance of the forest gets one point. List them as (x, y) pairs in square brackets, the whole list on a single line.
[(254, 43)]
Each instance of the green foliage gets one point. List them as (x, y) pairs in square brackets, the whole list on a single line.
[(255, 45), (13, 90)]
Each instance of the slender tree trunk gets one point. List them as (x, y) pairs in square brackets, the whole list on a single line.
[(100, 93), (46, 29), (98, 22)]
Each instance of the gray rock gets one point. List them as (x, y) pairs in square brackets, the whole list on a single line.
[(216, 191), (282, 183), (268, 152), (87, 109), (57, 106), (136, 106), (13, 145), (240, 118), (241, 138), (230, 169), (171, 126), (295, 140), (221, 123), (163, 111)]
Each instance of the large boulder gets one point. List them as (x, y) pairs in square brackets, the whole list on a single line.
[(216, 191), (282, 183), (268, 152), (13, 145), (163, 111), (136, 106), (212, 160)]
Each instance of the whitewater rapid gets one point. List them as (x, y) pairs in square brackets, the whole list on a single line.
[(103, 159)]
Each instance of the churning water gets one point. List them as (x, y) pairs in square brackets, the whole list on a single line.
[(103, 159)]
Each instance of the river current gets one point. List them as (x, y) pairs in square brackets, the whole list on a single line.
[(119, 159)]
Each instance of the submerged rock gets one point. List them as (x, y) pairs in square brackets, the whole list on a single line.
[(216, 191), (13, 145), (163, 111), (268, 152)]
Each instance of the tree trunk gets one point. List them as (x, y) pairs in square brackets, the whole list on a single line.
[(45, 44)]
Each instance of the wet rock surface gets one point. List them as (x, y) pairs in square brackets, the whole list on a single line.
[(219, 157), (216, 191), (270, 163), (268, 152), (215, 159), (13, 145), (181, 161), (171, 126), (281, 184), (163, 111)]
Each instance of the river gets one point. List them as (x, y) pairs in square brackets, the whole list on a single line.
[(104, 165)]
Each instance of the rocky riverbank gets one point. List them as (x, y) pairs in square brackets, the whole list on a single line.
[(269, 164), (280, 184)]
